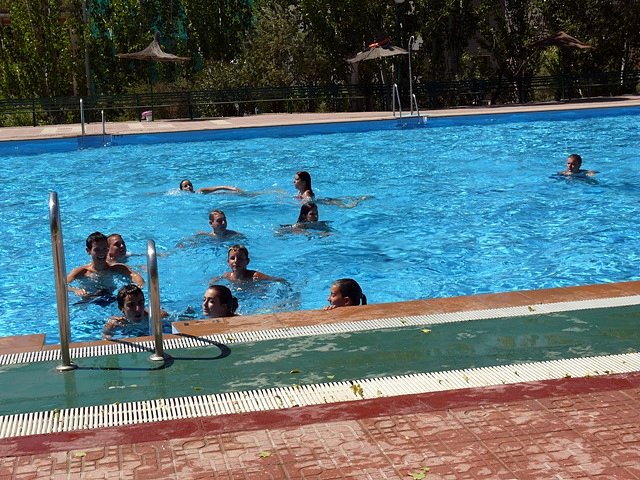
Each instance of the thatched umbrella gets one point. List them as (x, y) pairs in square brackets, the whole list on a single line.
[(153, 53)]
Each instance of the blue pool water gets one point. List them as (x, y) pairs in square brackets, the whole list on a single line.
[(462, 206)]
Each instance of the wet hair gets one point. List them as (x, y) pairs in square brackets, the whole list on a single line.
[(213, 213), (226, 298), (575, 156), (238, 249), (350, 288), (114, 235), (304, 210), (127, 291), (185, 180), (306, 178), (95, 237)]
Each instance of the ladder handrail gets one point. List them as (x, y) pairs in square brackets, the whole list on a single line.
[(396, 94), (155, 320), (414, 101), (59, 270)]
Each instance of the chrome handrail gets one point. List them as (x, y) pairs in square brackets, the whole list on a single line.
[(155, 320), (411, 96), (396, 94), (82, 117), (59, 271), (414, 101)]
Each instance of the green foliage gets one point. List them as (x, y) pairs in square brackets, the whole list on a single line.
[(51, 49)]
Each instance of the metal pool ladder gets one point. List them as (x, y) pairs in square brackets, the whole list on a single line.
[(62, 299)]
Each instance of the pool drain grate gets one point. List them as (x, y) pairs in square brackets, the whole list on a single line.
[(130, 413)]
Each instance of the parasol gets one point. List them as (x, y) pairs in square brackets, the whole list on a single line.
[(378, 50), (153, 52), (560, 39)]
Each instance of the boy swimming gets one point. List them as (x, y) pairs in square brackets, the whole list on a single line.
[(135, 317), (187, 186), (117, 248), (97, 277), (218, 222), (238, 259)]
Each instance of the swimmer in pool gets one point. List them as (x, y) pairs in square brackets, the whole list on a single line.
[(574, 162), (218, 302), (99, 271), (187, 186), (345, 292), (134, 314), (218, 222), (302, 183), (117, 249), (238, 259)]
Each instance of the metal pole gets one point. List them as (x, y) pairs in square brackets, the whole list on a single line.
[(104, 130), (411, 40), (59, 270), (82, 117), (155, 322)]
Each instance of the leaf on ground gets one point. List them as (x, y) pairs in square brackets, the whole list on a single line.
[(531, 309), (426, 330), (80, 454), (196, 388), (331, 377), (264, 454), (294, 371), (357, 390)]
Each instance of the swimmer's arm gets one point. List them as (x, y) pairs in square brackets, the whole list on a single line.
[(111, 326), (73, 275), (258, 276), (125, 270), (590, 173), (226, 188)]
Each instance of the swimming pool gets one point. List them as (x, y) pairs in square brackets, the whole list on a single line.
[(463, 206)]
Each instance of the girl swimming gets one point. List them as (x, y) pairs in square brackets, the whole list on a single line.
[(218, 301), (345, 292)]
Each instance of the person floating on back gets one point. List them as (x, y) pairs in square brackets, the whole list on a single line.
[(187, 186), (345, 292), (238, 259), (574, 162), (97, 277), (134, 318), (219, 302)]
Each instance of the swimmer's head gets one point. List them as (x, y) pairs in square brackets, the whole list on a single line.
[(308, 213), (346, 292), (94, 238), (117, 247), (218, 221), (238, 257), (218, 301), (574, 162), (302, 181), (131, 303), (186, 185)]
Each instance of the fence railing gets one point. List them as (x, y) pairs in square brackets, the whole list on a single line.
[(334, 98)]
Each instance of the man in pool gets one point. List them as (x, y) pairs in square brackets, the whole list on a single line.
[(97, 277), (238, 259), (187, 186), (574, 162), (218, 222)]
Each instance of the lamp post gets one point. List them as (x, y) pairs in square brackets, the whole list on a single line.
[(399, 34)]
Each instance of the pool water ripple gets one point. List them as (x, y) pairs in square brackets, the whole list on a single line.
[(455, 209)]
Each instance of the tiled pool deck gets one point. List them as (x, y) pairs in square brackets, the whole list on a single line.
[(551, 429)]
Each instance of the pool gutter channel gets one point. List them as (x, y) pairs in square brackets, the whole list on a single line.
[(123, 346), (128, 413)]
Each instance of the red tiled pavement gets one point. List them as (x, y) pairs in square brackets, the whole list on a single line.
[(583, 428)]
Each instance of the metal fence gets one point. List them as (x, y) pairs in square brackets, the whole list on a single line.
[(327, 98)]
